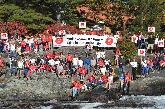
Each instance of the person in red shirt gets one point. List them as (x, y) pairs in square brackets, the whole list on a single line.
[(83, 72), (23, 46), (50, 40), (91, 78), (27, 49), (100, 62), (69, 60), (127, 79), (104, 78), (1, 61), (75, 87)]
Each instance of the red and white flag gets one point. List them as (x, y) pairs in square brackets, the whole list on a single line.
[(82, 24), (141, 52), (62, 32), (58, 41), (161, 43), (151, 29), (4, 36)]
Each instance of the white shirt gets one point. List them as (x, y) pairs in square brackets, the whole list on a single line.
[(32, 61), (144, 64), (20, 64), (110, 79), (133, 64), (103, 70), (80, 63), (12, 47), (102, 55), (156, 40), (106, 62), (51, 62), (75, 61), (57, 62)]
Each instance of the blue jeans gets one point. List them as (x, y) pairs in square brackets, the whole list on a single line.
[(74, 91), (14, 70), (87, 67), (144, 71)]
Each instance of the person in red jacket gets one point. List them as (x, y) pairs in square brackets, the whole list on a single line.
[(69, 60), (83, 73), (50, 40), (100, 62)]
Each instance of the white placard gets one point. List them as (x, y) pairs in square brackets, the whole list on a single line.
[(151, 29), (4, 36), (161, 43), (82, 24), (141, 52)]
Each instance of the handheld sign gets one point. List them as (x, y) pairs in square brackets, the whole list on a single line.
[(82, 24), (4, 36), (161, 43), (141, 52), (151, 29), (58, 41)]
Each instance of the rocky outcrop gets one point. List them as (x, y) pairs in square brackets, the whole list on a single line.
[(44, 89), (148, 86)]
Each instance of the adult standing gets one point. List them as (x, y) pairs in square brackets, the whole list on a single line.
[(134, 68)]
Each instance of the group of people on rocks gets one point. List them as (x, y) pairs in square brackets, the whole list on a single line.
[(35, 58)]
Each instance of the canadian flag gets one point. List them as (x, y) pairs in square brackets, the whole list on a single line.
[(161, 43), (141, 52), (58, 41), (151, 29), (82, 24), (4, 36), (62, 32)]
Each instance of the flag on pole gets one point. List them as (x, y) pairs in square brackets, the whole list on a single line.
[(82, 24)]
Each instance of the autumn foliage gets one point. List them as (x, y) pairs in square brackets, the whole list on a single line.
[(13, 28)]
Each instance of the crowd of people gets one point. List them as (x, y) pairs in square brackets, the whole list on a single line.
[(35, 58)]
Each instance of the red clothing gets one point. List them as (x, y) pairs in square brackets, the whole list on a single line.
[(36, 46), (50, 38), (79, 70), (32, 68), (104, 78), (149, 61), (84, 71), (69, 57), (78, 85), (23, 43), (101, 62), (27, 49), (35, 40), (1, 62), (49, 55), (91, 78), (43, 38), (128, 77)]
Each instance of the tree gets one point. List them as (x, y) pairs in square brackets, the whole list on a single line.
[(33, 20), (128, 48)]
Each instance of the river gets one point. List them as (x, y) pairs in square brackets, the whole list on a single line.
[(138, 102)]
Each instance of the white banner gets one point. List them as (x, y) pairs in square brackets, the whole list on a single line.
[(85, 40), (4, 36), (141, 52), (161, 43)]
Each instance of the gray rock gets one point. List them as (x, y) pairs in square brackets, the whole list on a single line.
[(148, 86)]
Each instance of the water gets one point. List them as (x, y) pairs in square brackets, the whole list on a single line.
[(158, 102)]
